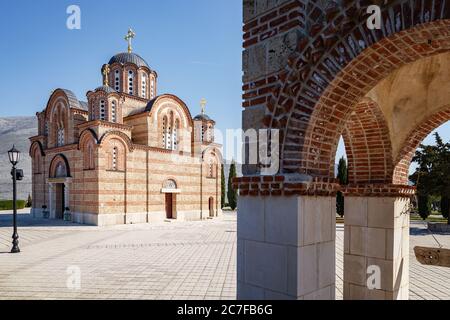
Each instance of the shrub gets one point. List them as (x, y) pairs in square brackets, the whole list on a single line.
[(8, 204), (29, 203), (424, 206)]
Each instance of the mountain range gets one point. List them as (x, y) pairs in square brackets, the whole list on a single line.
[(16, 131)]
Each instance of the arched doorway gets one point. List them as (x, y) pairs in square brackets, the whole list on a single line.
[(211, 207), (170, 191), (59, 183)]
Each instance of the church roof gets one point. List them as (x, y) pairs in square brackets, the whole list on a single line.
[(202, 117), (106, 89), (126, 57), (73, 101)]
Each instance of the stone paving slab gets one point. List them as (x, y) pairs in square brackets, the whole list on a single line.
[(177, 260)]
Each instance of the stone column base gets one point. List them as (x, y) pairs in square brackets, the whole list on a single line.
[(286, 247), (376, 249)]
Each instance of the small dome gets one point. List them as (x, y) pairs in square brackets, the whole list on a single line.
[(126, 57), (202, 117), (106, 89)]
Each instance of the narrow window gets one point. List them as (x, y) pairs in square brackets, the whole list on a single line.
[(211, 168), (152, 89), (117, 80), (169, 137), (164, 128), (114, 159), (175, 134), (102, 110), (113, 111), (203, 133), (144, 86), (60, 137), (130, 82)]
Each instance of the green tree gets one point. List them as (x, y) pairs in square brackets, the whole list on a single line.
[(431, 176), (231, 193), (29, 203), (343, 180), (222, 187)]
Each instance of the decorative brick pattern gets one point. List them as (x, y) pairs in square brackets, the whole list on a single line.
[(280, 186), (314, 96), (368, 146), (379, 190), (415, 138)]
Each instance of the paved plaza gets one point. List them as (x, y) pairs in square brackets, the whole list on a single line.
[(172, 260)]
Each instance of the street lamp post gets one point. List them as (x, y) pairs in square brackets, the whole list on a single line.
[(14, 157)]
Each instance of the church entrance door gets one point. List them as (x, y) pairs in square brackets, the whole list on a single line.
[(169, 205), (211, 207), (59, 203)]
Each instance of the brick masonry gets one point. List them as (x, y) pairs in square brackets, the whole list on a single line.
[(308, 66)]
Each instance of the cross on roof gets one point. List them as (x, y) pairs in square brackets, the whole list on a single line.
[(203, 105), (130, 35)]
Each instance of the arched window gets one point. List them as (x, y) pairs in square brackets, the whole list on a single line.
[(169, 132), (130, 82), (60, 137), (152, 89), (209, 133), (60, 170), (203, 133), (102, 110), (114, 159), (144, 86), (113, 111), (164, 132), (46, 128), (89, 157), (37, 162), (175, 134), (117, 80), (211, 168)]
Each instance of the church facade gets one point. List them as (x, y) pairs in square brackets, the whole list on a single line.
[(127, 155)]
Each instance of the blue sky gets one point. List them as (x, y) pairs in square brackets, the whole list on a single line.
[(194, 45)]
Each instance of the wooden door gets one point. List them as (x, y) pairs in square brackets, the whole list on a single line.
[(169, 206)]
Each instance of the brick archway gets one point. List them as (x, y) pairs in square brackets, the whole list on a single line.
[(314, 71), (368, 145), (334, 69), (415, 138)]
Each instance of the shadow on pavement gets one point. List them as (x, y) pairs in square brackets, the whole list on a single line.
[(27, 220)]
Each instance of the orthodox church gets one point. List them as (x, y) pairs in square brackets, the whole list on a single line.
[(127, 155)]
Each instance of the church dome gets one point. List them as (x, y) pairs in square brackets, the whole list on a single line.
[(126, 57), (202, 117)]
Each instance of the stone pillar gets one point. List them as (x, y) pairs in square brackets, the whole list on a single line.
[(286, 247), (51, 198), (66, 195), (376, 245)]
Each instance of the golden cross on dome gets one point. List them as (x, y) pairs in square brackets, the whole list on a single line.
[(105, 72), (130, 35), (203, 103)]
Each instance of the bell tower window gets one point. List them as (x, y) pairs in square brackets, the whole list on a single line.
[(152, 89), (117, 80), (130, 82), (102, 110), (144, 86), (164, 129), (175, 135)]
